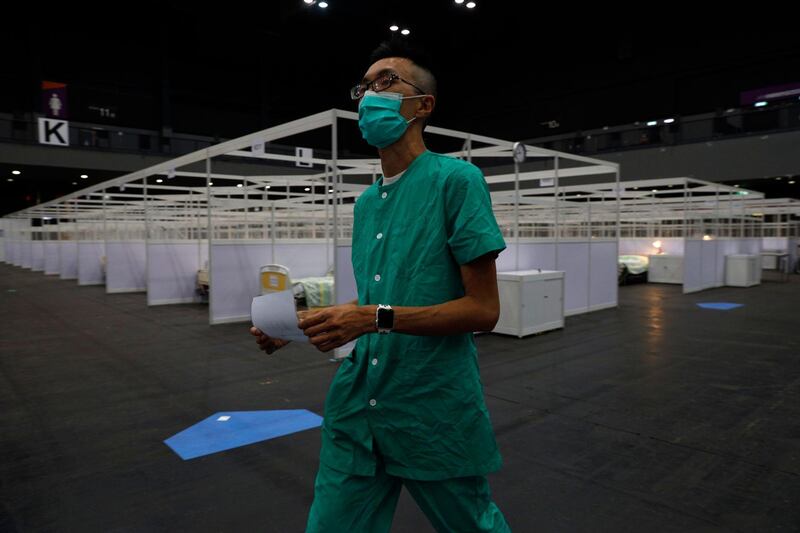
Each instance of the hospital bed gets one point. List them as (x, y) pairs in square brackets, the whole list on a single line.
[(309, 292), (632, 269)]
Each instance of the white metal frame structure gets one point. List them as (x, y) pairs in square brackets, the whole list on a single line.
[(194, 202)]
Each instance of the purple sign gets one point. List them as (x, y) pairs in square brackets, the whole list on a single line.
[(54, 100), (775, 92)]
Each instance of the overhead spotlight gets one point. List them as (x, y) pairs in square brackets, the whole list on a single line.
[(84, 176), (330, 190), (239, 185), (210, 183), (307, 189), (159, 180), (471, 5), (405, 31), (760, 104), (669, 120), (652, 123), (16, 172), (323, 5), (394, 27), (266, 188)]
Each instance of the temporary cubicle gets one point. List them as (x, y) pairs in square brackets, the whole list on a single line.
[(698, 223), (155, 229)]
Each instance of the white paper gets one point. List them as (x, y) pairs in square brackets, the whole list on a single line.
[(275, 314)]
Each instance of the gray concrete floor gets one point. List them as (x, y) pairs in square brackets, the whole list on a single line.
[(656, 416)]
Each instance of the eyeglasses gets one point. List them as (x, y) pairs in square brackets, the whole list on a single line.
[(381, 83)]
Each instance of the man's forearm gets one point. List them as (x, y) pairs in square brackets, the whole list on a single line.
[(463, 315)]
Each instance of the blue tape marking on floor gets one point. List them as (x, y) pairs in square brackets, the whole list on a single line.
[(721, 306), (224, 431)]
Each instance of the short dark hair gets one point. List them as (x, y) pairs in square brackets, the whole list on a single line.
[(400, 48)]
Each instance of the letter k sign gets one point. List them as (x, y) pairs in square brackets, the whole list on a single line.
[(53, 132)]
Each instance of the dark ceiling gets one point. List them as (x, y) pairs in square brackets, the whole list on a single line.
[(504, 67)]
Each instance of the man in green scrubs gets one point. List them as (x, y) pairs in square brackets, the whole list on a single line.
[(406, 407)]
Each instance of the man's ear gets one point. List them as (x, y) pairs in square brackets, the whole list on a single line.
[(427, 104)]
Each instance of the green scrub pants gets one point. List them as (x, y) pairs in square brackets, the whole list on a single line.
[(344, 503)]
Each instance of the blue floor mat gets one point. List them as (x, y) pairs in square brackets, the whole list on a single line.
[(720, 306), (227, 430)]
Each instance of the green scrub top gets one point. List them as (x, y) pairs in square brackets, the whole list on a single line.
[(418, 399)]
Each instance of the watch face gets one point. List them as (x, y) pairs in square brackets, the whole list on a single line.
[(385, 318)]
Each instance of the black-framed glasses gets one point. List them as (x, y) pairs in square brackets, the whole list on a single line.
[(381, 83)]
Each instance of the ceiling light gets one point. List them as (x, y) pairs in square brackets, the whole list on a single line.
[(791, 182), (735, 185), (669, 120), (323, 5), (159, 180), (652, 123), (330, 190), (239, 185), (266, 188), (74, 183), (309, 2), (210, 183), (760, 104), (84, 176), (470, 5), (16, 172), (10, 179), (307, 189), (459, 1), (655, 190), (394, 27), (405, 31)]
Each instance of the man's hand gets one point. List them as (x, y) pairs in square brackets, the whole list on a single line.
[(265, 342), (335, 326)]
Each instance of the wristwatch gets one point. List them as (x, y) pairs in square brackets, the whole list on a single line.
[(384, 318)]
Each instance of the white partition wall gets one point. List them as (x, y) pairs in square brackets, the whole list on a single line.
[(590, 272), (234, 273), (90, 263), (51, 258), (37, 256), (68, 259), (27, 252), (346, 290), (172, 271), (126, 263), (4, 241)]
